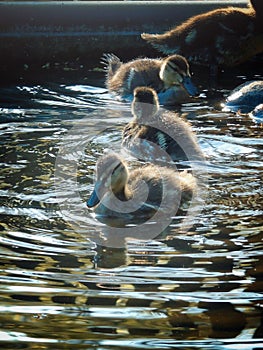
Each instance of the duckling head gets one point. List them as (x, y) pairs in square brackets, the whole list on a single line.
[(175, 72), (145, 102), (112, 177)]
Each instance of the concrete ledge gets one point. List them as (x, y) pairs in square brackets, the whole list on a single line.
[(71, 36)]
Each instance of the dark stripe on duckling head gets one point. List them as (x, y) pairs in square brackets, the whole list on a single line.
[(105, 171), (120, 165), (117, 181), (172, 66), (112, 173), (178, 63)]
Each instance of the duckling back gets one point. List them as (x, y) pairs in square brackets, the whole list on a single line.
[(219, 37), (140, 193), (163, 137), (170, 77), (158, 135), (164, 185), (123, 78)]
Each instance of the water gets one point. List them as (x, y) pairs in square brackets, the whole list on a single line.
[(198, 289)]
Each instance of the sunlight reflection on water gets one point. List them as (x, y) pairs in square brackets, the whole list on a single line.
[(178, 290)]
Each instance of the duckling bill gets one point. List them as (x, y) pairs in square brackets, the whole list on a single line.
[(170, 77)]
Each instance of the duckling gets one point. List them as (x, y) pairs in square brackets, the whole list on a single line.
[(218, 38), (158, 135), (139, 193), (245, 97), (169, 76)]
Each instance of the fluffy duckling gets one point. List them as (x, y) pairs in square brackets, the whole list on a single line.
[(139, 193), (170, 77), (156, 134), (245, 97), (222, 37)]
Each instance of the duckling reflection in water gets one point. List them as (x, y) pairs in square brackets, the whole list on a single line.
[(170, 77), (139, 193), (222, 37), (245, 97), (156, 134)]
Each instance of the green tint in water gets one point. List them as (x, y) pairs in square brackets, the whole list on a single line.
[(195, 290)]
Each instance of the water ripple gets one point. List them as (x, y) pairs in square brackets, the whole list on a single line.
[(199, 289)]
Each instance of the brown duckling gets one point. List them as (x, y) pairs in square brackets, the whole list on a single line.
[(169, 76), (156, 134), (221, 37), (139, 193)]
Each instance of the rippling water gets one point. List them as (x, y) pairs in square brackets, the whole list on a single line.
[(198, 289)]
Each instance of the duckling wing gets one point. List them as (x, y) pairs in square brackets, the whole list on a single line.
[(168, 144), (124, 78), (165, 190), (152, 144), (134, 139), (149, 176)]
